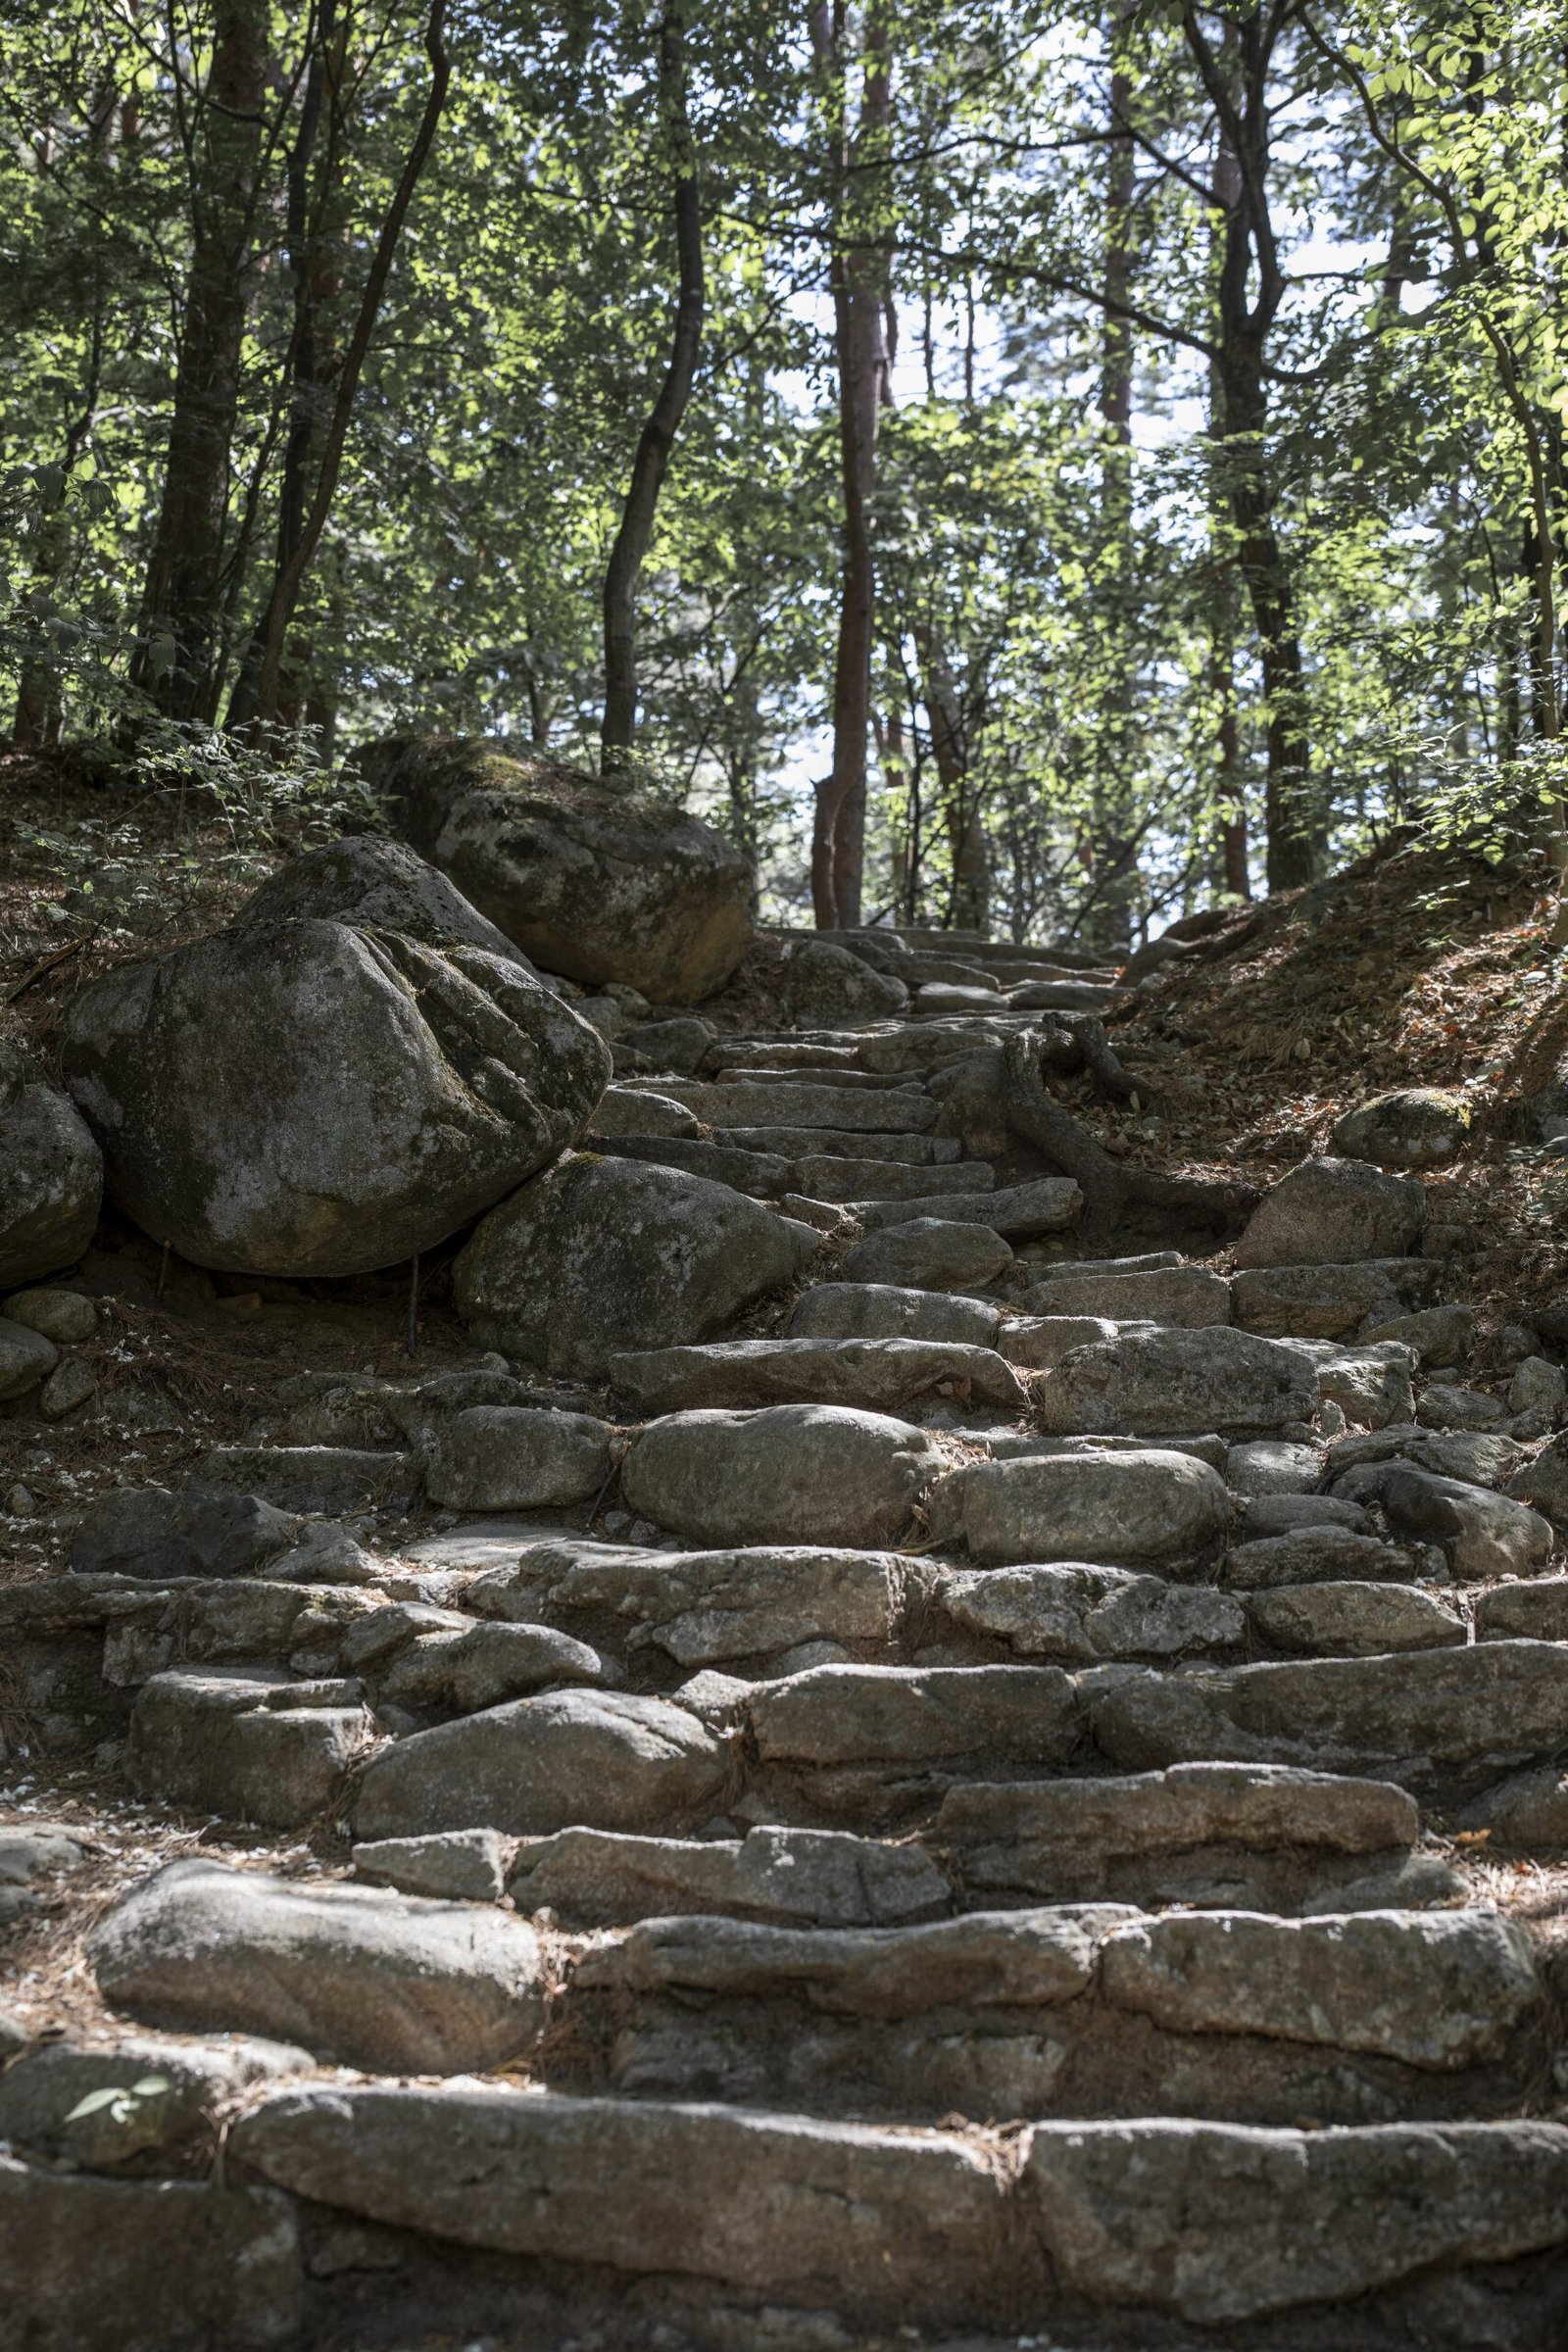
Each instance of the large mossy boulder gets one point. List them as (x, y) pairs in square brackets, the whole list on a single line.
[(51, 1175), (599, 1255), (600, 881), (310, 1099), (377, 885)]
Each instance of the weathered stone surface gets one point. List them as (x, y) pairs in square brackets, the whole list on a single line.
[(1370, 1385), (1434, 1335), (351, 1973), (146, 2266), (880, 1375), (145, 1531), (758, 1099), (826, 987), (1025, 1959), (69, 1385), (53, 2104), (1282, 1514), (1444, 1405), (1188, 1297), (762, 1176), (51, 1175), (1417, 1127), (829, 1176), (207, 1074), (915, 1715), (598, 880), (498, 1457), (1473, 1457), (1046, 1834), (828, 1143), (1357, 1621), (26, 1358), (485, 1665), (1083, 1613), (1544, 1482), (702, 1607), (1146, 1509), (382, 886), (33, 1850), (788, 1474), (241, 1743), (806, 2211), (1219, 2222), (603, 1255), (64, 1317), (1417, 1716), (1444, 1989), (929, 1253), (605, 1758), (623, 1110), (1272, 1466), (1537, 1611), (818, 1878), (876, 1310), (1527, 1810), (1331, 1302), (1333, 1213), (682, 1044), (1484, 1534), (1309, 1555), (1016, 1212), (337, 1478), (1160, 1383), (1040, 1341), (453, 1866)]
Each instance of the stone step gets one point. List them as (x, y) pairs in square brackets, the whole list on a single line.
[(1165, 1382), (1149, 2222), (1148, 1508), (784, 1474), (1331, 1302), (869, 1310), (765, 1176), (783, 1877), (815, 1143), (1191, 1298), (1084, 2011), (881, 1375), (754, 1102), (929, 1253), (1016, 1212)]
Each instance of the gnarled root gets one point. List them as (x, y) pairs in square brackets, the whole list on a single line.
[(1109, 1188)]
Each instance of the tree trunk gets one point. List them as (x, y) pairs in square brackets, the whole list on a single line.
[(1113, 821), (859, 270), (290, 580), (968, 850), (620, 727), (175, 659), (1230, 785)]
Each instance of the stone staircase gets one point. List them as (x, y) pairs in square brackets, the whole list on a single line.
[(950, 1817)]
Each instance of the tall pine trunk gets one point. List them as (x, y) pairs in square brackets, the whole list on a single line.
[(178, 659), (651, 463), (858, 277), (1114, 825)]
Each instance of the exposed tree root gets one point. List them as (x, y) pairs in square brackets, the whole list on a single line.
[(1108, 1188)]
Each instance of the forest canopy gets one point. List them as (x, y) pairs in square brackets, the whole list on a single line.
[(1013, 465)]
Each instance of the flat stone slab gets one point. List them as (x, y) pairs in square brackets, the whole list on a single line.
[(877, 1375), (756, 1102), (1221, 2222), (1016, 1212), (1148, 1509), (1315, 1555), (1420, 1718), (248, 1745), (702, 1607), (930, 1253), (877, 1311), (919, 1715), (1331, 1302), (608, 1758), (146, 2266), (787, 1474), (1188, 1297), (1359, 1621), (334, 1478), (777, 2203), (1161, 1383), (1081, 1613), (817, 1878), (369, 1979)]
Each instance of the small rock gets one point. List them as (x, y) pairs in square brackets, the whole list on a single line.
[(928, 1254), (26, 1358), (64, 1317), (1537, 1387), (69, 1384), (1418, 1127), (21, 1501), (1445, 1408), (460, 1865), (51, 1175)]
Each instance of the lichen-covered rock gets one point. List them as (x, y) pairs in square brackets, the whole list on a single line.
[(824, 987), (309, 1098), (51, 1174), (597, 1255), (1418, 1127), (600, 881), (382, 886), (1333, 1213)]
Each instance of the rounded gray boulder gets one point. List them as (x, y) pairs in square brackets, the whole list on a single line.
[(51, 1175), (378, 885), (310, 1099)]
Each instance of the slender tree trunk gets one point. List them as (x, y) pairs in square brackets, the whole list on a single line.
[(176, 658), (290, 581), (859, 270), (968, 848), (315, 264), (654, 449), (1113, 820), (1230, 785)]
